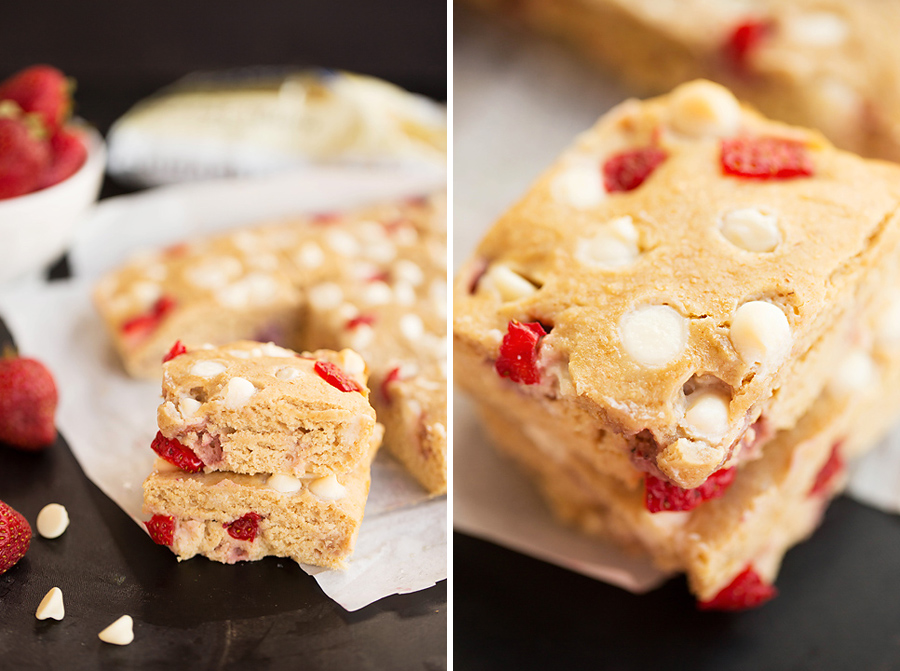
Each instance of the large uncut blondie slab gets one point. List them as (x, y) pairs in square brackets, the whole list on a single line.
[(373, 280), (250, 408), (231, 517), (685, 289), (827, 64)]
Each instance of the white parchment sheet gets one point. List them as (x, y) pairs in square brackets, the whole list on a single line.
[(109, 419), (519, 101)]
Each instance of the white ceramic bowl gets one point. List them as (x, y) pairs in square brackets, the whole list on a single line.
[(37, 227)]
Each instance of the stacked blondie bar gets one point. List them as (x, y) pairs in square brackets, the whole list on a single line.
[(261, 452), (684, 330), (372, 280), (827, 64)]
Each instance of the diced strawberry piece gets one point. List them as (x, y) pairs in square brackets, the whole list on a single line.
[(519, 352), (326, 218), (41, 90), (138, 328), (68, 153), (746, 591), (392, 376), (380, 276), (743, 41), (23, 158), (359, 320), (161, 529), (660, 496), (176, 453), (627, 170), (828, 472), (336, 377), (177, 350), (244, 528), (765, 158)]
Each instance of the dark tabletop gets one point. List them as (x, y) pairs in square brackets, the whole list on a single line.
[(197, 614)]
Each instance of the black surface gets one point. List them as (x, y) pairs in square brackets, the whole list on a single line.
[(197, 614), (838, 608)]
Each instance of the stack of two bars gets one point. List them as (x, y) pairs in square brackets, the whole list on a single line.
[(685, 329), (262, 452)]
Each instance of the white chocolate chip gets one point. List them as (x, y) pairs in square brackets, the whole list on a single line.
[(707, 415), (352, 363), (404, 293), (579, 185), (284, 483), (751, 229), (254, 289), (361, 337), (120, 632), (615, 244), (287, 373), (146, 293), (887, 327), (412, 327), (702, 108), (382, 252), (273, 350), (508, 284), (188, 407), (52, 521), (376, 293), (237, 392), (207, 368), (817, 29), (310, 255), (855, 375), (341, 242), (325, 296), (328, 488), (213, 273), (653, 335), (51, 606), (760, 333), (163, 466), (408, 271)]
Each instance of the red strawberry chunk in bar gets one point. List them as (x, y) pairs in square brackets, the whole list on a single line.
[(519, 352), (746, 591), (337, 378), (361, 320), (743, 41), (244, 528), (392, 376), (161, 529), (627, 170), (138, 328), (177, 349), (830, 470), (176, 453), (662, 496), (765, 158)]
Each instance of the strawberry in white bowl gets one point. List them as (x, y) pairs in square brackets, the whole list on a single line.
[(50, 169)]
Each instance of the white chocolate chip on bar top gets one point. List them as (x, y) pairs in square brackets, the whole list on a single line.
[(723, 245)]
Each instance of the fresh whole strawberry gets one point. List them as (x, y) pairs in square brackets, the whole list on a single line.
[(15, 537), (41, 90), (67, 154), (24, 157), (28, 400)]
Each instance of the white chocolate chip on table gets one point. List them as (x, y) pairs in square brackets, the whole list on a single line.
[(52, 521), (51, 606), (120, 632)]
